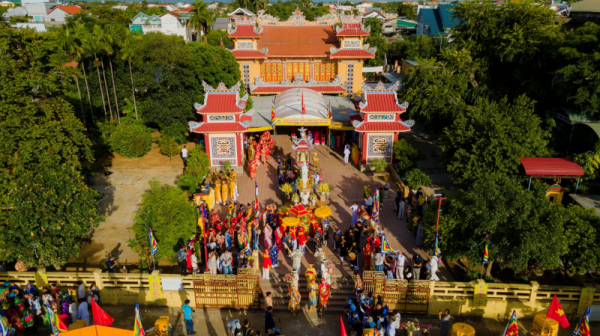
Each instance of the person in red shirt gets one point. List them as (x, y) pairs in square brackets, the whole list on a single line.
[(301, 240), (266, 264)]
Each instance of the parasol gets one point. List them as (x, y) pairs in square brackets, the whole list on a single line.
[(322, 212), (299, 210), (290, 221)]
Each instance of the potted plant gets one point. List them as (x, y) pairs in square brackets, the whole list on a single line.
[(287, 189), (295, 199), (379, 167), (410, 327), (415, 178), (323, 189), (312, 198)]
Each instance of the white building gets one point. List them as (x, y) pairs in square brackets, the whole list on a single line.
[(59, 14), (168, 24)]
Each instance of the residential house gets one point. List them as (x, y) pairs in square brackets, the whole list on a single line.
[(59, 14), (184, 12), (168, 7), (435, 21), (373, 14), (168, 24), (364, 7), (39, 27), (240, 13), (121, 7), (221, 24), (213, 6), (585, 11)]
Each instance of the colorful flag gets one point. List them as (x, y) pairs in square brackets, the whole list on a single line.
[(583, 328), (512, 329), (486, 254), (303, 107), (3, 327), (342, 327), (153, 243), (273, 111), (385, 245), (138, 330), (100, 316), (256, 206), (557, 313), (375, 213), (329, 108), (435, 246), (56, 325)]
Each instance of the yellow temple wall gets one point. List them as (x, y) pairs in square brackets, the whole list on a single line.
[(253, 71), (343, 71)]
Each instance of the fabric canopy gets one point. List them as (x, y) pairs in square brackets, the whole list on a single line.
[(558, 167)]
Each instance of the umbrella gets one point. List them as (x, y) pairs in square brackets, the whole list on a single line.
[(322, 212), (290, 221), (299, 210)]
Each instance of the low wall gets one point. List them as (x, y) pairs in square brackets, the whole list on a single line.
[(527, 300)]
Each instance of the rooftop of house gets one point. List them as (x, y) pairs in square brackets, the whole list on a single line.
[(300, 41), (67, 9), (586, 6)]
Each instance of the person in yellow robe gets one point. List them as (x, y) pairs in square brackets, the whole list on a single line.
[(218, 192), (225, 192), (310, 274), (232, 188)]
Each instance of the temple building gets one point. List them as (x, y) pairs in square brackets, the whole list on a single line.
[(325, 55), (223, 124), (378, 122)]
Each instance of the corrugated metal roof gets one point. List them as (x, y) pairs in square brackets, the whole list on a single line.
[(551, 167), (288, 104), (430, 17), (381, 102), (586, 6), (446, 12)]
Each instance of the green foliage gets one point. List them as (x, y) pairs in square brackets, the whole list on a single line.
[(214, 38), (169, 147), (376, 40), (172, 217), (213, 65), (378, 165), (17, 19), (43, 146), (130, 139), (156, 11), (198, 166), (406, 10), (582, 232), (514, 219), (406, 155), (578, 81), (226, 166), (176, 132), (200, 17), (491, 138), (414, 47), (415, 178)]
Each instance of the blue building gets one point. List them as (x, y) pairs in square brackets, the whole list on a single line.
[(435, 21)]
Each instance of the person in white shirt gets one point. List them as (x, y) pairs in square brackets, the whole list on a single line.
[(434, 267), (400, 265), (194, 260), (73, 311), (81, 290), (401, 209), (393, 324), (184, 153), (346, 154)]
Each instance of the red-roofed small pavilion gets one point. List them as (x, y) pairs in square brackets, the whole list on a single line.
[(378, 122), (223, 123)]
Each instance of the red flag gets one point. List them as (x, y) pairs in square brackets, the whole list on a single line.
[(342, 327), (303, 107), (557, 313), (100, 316)]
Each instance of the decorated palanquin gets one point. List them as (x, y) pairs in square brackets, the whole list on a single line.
[(319, 55), (378, 121), (224, 122)]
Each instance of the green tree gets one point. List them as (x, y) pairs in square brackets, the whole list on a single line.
[(169, 147), (213, 65), (214, 38), (406, 155), (415, 178), (582, 232), (407, 10), (413, 47), (515, 219), (492, 137), (130, 139), (46, 207), (200, 17), (171, 216), (198, 166), (578, 81)]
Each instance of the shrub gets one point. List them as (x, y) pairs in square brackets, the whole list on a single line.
[(198, 166), (406, 155), (415, 177), (130, 138), (379, 165), (168, 146)]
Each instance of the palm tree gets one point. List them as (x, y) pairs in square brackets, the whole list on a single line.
[(93, 48), (127, 54), (113, 44), (104, 48), (80, 32), (70, 44), (201, 18)]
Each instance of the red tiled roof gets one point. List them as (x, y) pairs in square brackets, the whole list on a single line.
[(221, 103), (245, 31), (352, 53), (352, 29), (67, 9), (390, 126), (356, 117), (381, 102), (207, 127), (551, 167), (184, 10), (298, 41), (241, 54), (281, 88)]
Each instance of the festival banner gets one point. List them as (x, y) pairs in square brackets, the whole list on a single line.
[(480, 298), (41, 279), (155, 287), (586, 299), (301, 122)]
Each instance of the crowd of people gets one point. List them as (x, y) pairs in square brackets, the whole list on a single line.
[(25, 308)]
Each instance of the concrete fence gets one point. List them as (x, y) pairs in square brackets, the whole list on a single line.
[(459, 297)]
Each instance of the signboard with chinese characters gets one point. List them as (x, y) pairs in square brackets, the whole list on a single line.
[(480, 298), (301, 122), (223, 148), (380, 146), (154, 287), (585, 300)]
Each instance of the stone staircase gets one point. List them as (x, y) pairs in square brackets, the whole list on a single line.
[(341, 289)]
